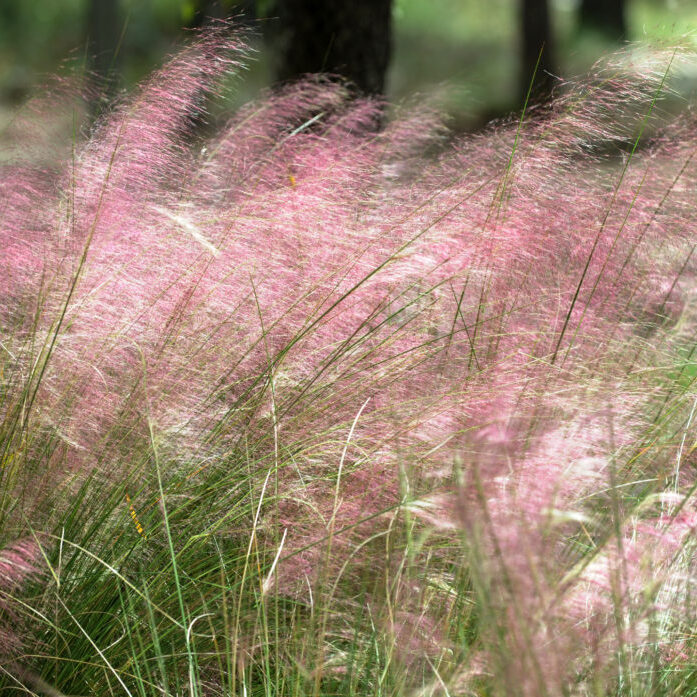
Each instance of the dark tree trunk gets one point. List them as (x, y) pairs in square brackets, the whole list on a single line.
[(536, 37), (350, 38), (606, 16), (103, 33), (241, 11)]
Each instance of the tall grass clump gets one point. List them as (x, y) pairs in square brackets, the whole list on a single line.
[(331, 402)]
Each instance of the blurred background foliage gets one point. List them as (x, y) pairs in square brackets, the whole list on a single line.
[(463, 53)]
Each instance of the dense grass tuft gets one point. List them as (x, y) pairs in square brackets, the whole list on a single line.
[(331, 403)]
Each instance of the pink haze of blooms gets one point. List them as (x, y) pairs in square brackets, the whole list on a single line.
[(490, 305)]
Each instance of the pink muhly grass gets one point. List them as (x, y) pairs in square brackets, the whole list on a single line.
[(18, 563), (483, 312)]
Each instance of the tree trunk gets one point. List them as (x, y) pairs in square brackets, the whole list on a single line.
[(606, 16), (103, 32), (243, 12), (536, 38), (350, 38)]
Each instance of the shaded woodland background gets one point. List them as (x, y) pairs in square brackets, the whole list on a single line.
[(473, 57)]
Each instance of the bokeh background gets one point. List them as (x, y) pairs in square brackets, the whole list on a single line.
[(466, 54)]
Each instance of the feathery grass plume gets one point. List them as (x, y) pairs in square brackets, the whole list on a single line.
[(319, 407)]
